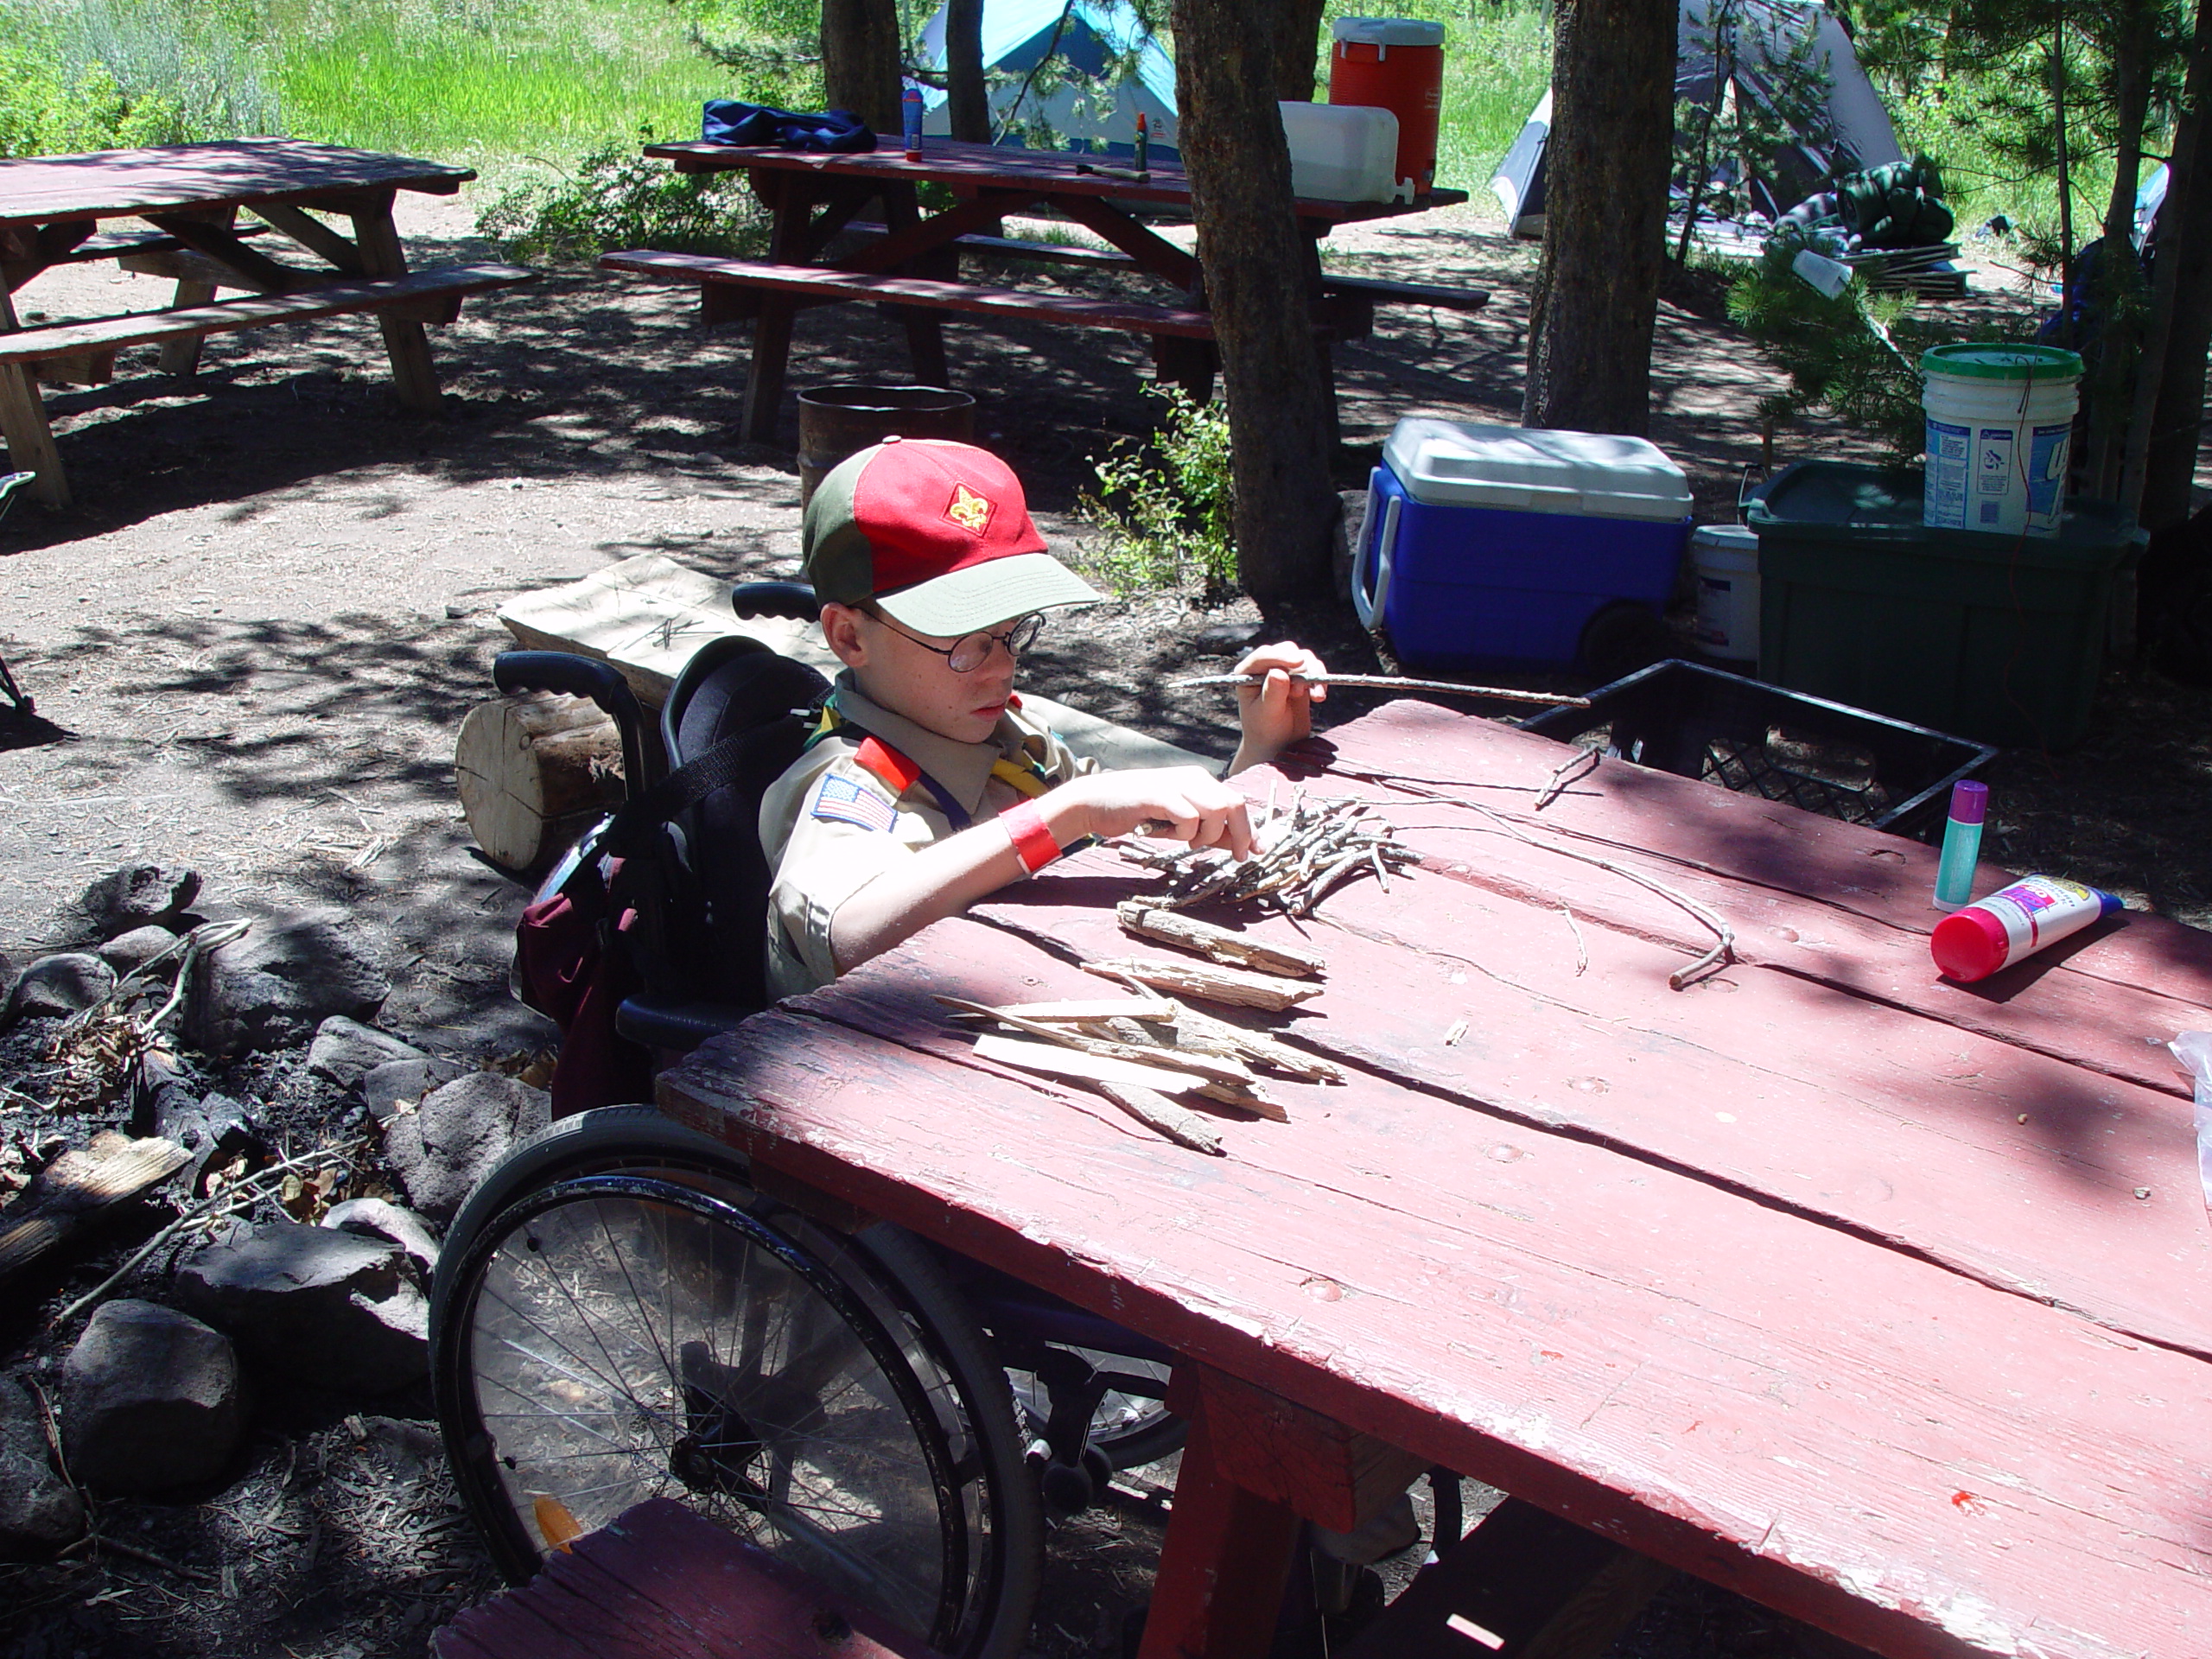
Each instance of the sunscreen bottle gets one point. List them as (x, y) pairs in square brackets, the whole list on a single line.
[(2014, 922), (910, 108), (1144, 142), (1961, 844)]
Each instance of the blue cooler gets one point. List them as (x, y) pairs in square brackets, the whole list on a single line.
[(1500, 544)]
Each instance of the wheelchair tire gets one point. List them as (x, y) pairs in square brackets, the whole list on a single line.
[(618, 1315)]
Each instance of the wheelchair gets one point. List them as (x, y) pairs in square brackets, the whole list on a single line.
[(619, 1314)]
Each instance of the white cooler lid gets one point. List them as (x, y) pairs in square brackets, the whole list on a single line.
[(1525, 469)]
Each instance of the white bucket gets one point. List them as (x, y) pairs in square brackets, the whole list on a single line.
[(2001, 422), (1725, 558)]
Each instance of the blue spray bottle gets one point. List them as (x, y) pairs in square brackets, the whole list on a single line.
[(1961, 844)]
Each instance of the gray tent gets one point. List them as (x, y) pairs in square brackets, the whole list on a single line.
[(1858, 131)]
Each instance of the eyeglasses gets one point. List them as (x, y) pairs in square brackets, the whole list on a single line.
[(971, 651)]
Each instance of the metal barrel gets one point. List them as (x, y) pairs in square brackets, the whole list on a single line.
[(835, 422)]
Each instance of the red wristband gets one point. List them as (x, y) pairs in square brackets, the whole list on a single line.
[(1032, 841)]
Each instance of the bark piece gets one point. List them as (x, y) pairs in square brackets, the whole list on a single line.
[(78, 1185), (1158, 1113), (534, 772), (1218, 944), (1208, 983)]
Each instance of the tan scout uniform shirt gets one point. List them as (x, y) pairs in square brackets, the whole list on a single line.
[(829, 827)]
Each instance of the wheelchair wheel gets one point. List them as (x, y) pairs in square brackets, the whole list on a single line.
[(617, 1315), (1130, 1427)]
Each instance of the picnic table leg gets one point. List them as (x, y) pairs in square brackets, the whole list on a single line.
[(30, 437), (925, 332), (763, 381), (412, 371), (1223, 1567), (181, 356)]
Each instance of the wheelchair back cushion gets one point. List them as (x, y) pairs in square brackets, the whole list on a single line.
[(761, 699)]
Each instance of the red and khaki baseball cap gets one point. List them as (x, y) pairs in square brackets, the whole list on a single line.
[(938, 534)]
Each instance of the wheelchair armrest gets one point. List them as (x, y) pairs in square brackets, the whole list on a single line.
[(677, 1027), (569, 675), (794, 599)]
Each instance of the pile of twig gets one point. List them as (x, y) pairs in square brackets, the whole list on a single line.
[(100, 1048), (1136, 1051), (1299, 856)]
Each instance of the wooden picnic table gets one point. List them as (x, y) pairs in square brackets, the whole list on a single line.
[(52, 208), (1885, 1301), (812, 196)]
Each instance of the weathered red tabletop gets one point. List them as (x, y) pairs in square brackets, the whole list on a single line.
[(1885, 1301)]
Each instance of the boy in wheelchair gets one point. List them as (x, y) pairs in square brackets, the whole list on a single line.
[(925, 787)]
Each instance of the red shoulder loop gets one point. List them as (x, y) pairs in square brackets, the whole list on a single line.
[(881, 762)]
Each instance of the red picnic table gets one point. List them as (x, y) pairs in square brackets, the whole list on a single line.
[(1885, 1301), (914, 266), (52, 208)]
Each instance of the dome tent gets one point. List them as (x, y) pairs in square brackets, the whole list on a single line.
[(1852, 131), (1081, 102)]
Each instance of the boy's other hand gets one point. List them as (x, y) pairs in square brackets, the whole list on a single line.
[(1278, 711), (1193, 805)]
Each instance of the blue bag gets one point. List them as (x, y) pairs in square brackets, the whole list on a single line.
[(726, 121)]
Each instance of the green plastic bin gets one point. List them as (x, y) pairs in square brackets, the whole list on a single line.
[(1996, 638)]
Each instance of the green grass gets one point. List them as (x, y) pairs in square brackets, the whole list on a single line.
[(489, 81)]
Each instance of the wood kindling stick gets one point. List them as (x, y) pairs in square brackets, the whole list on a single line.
[(1390, 683), (1209, 984), (1212, 1067), (1217, 943)]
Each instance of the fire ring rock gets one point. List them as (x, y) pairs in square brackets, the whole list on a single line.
[(271, 989), (323, 1307), (38, 1513), (126, 899), (150, 1400), (442, 1148), (52, 986)]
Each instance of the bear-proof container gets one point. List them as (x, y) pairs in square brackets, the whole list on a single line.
[(1998, 638), (1504, 543)]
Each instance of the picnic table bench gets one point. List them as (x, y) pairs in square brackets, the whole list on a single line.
[(814, 197), (51, 208), (1880, 1299)]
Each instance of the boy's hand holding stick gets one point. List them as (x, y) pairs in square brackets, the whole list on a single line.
[(1388, 682)]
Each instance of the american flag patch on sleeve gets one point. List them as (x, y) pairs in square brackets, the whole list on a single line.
[(841, 800)]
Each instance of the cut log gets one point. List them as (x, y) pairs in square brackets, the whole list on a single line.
[(535, 770), (76, 1187), (1218, 944)]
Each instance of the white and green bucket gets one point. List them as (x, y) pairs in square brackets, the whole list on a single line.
[(2001, 425)]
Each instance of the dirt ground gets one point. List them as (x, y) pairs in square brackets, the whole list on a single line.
[(257, 632)]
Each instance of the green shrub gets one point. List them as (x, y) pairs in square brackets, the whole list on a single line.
[(1166, 504), (618, 198), (98, 75), (1857, 355)]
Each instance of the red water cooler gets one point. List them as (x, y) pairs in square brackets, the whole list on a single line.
[(1396, 64)]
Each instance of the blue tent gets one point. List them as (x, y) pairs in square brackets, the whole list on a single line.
[(1088, 39)]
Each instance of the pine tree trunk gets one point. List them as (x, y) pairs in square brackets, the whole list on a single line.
[(1596, 296), (1298, 47), (966, 89), (1256, 260), (860, 59), (2169, 391), (2120, 354)]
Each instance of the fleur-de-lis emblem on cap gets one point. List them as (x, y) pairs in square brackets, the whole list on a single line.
[(968, 510)]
